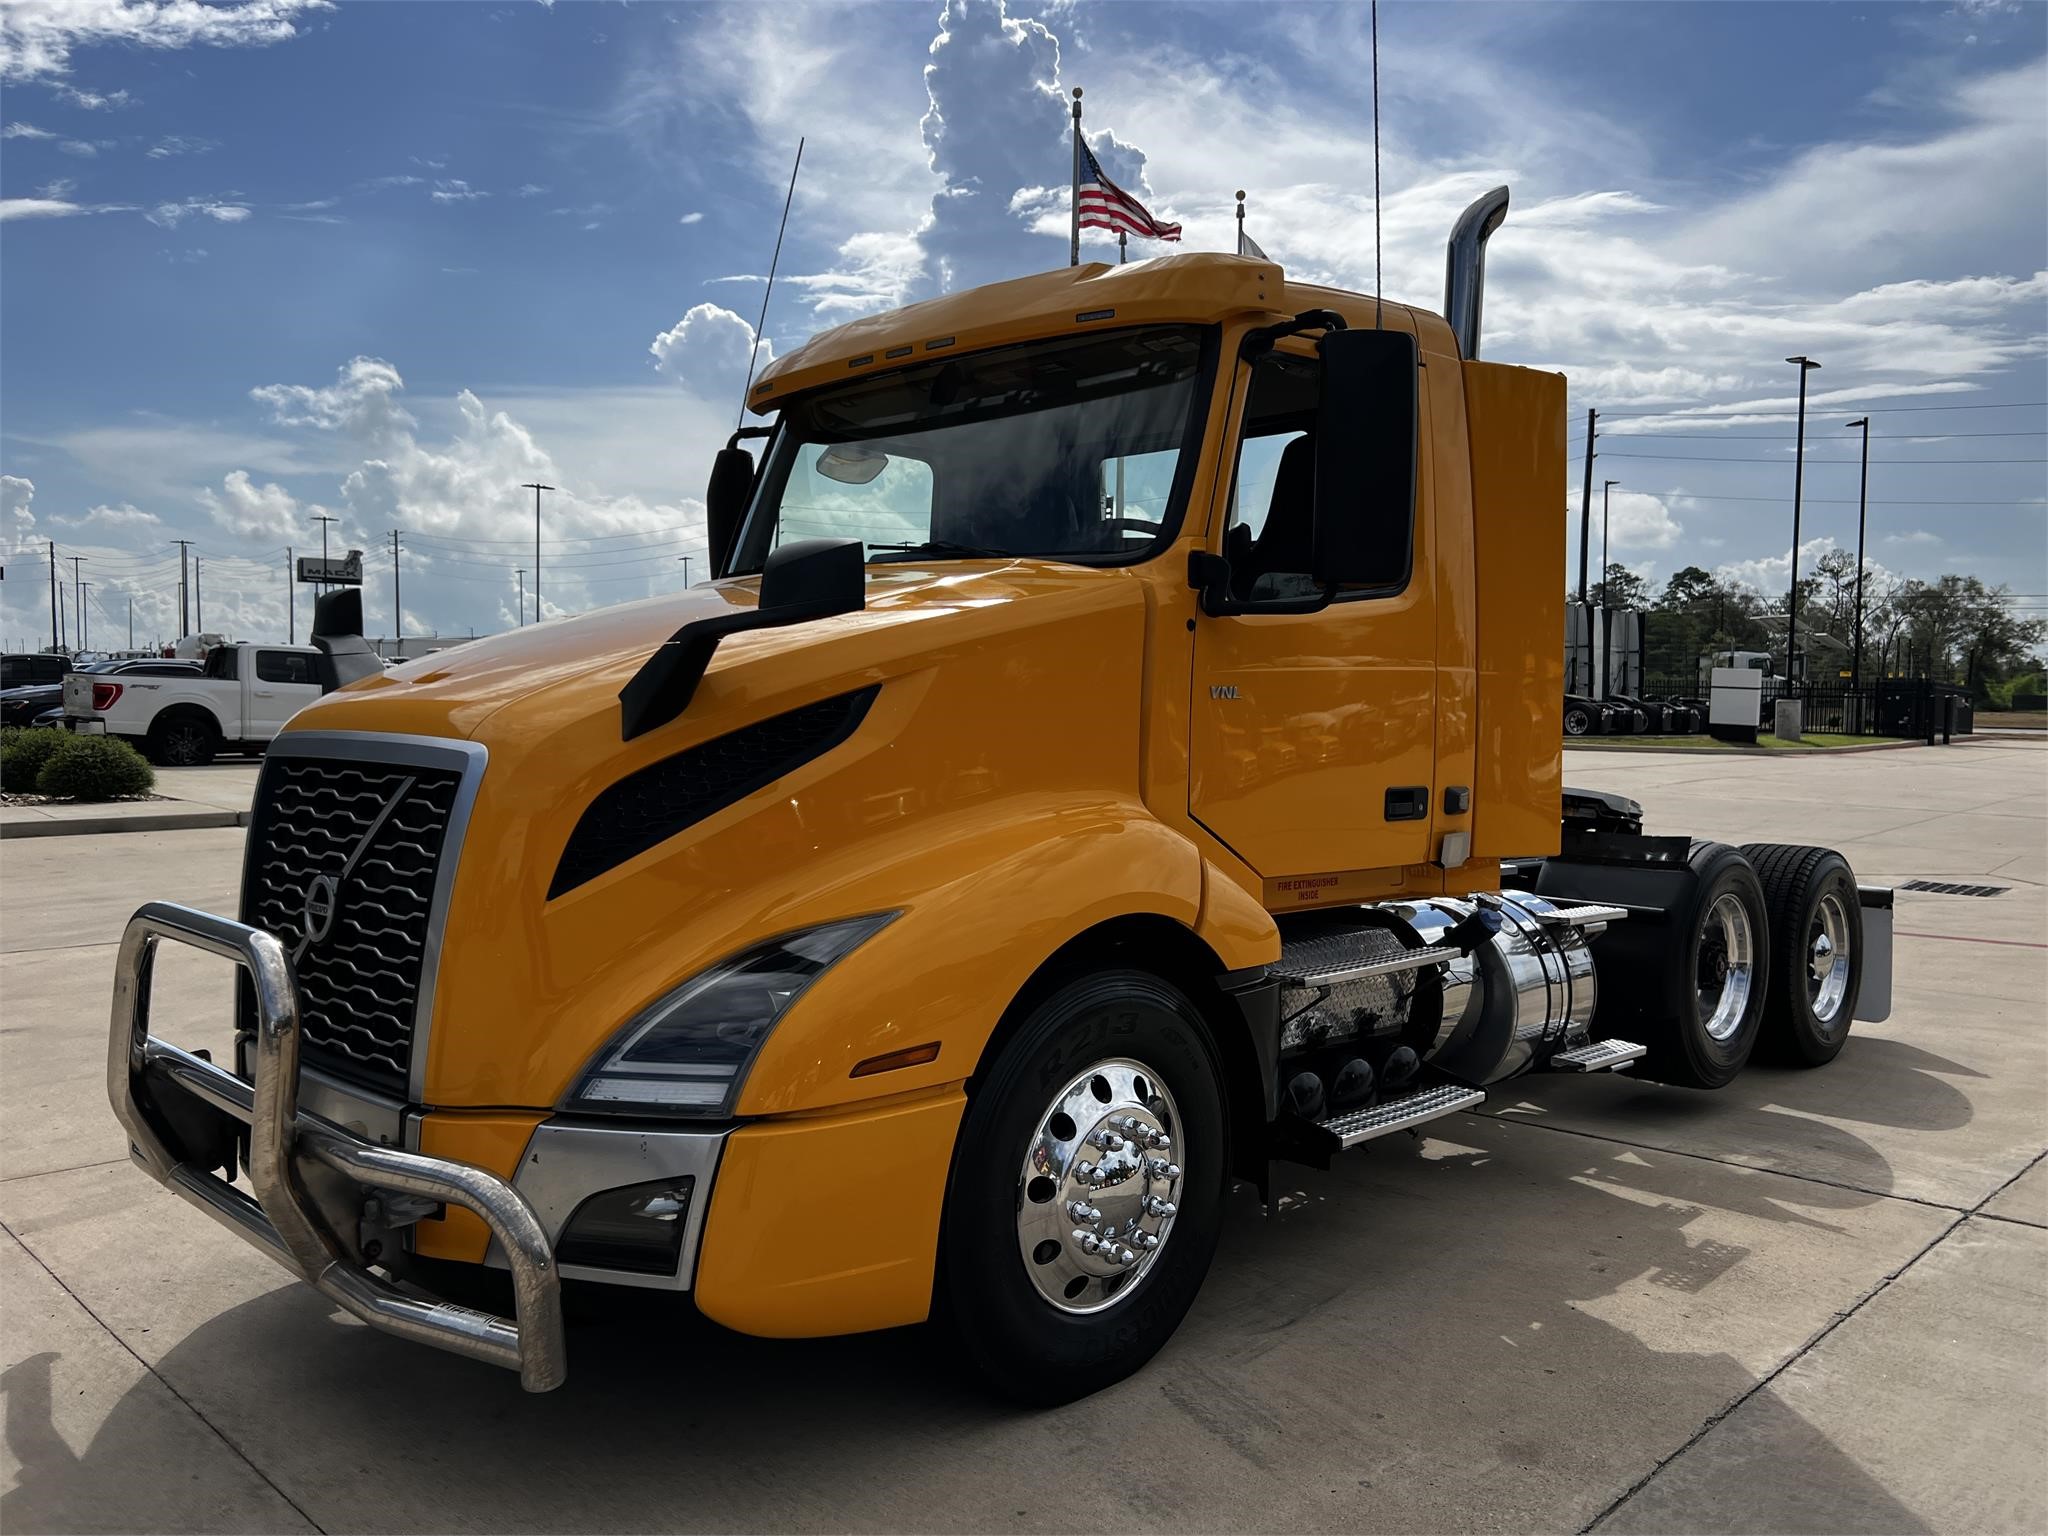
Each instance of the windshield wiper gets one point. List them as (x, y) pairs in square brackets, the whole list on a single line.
[(945, 547)]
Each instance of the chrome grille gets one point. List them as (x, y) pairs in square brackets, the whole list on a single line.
[(376, 829)]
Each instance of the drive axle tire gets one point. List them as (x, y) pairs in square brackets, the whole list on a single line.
[(1816, 924), (1087, 1189), (1712, 975), (1578, 720)]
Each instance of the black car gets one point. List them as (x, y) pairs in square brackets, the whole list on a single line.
[(20, 669), (29, 705)]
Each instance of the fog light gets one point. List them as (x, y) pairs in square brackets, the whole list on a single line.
[(638, 1228)]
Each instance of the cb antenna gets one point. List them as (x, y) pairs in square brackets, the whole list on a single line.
[(773, 262), (1379, 282)]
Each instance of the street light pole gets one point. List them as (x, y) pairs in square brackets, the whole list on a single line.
[(1586, 499), (536, 487), (521, 574), (1606, 487), (686, 568), (323, 520), (1805, 365), (1862, 514)]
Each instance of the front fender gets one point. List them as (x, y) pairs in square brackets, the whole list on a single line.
[(979, 914)]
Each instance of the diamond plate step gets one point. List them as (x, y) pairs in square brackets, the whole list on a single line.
[(1356, 1125), (1336, 975), (1599, 1056), (1580, 916)]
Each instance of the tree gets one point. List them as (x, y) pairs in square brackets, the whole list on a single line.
[(1964, 631), (1622, 588)]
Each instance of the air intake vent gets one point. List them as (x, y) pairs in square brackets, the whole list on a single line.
[(1949, 888), (654, 804)]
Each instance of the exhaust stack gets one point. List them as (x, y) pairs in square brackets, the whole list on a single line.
[(1465, 267)]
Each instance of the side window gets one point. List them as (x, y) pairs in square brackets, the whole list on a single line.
[(1136, 488), (221, 664), (284, 667), (1267, 538)]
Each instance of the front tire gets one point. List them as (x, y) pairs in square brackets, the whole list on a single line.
[(1087, 1189), (1578, 720), (1816, 924)]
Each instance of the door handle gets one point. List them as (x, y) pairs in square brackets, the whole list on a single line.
[(1409, 802)]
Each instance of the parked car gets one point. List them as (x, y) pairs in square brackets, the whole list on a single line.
[(38, 703), (239, 701), (19, 669)]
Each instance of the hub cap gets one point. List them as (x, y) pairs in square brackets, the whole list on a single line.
[(1828, 947), (1097, 1194), (1727, 959)]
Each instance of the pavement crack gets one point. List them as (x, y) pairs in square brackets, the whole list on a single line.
[(190, 1407), (23, 1178), (1783, 1366)]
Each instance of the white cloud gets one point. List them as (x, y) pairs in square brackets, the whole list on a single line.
[(38, 208), (1915, 536), (691, 218), (530, 189), (91, 101), (1638, 520), (170, 215), (37, 36), (124, 515), (254, 511), (174, 144), (25, 131), (707, 350), (85, 149), (1773, 573), (16, 496), (363, 402), (456, 192)]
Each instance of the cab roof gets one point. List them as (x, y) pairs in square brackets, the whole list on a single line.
[(1199, 287)]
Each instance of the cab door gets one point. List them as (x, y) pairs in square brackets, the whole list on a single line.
[(1312, 736), (284, 684)]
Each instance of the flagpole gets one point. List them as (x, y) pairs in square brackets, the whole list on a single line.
[(1240, 221), (1074, 241)]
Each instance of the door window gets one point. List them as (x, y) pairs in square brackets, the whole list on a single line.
[(284, 667), (1272, 504)]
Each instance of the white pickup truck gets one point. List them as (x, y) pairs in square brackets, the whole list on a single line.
[(239, 702)]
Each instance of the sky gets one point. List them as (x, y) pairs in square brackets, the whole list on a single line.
[(268, 261)]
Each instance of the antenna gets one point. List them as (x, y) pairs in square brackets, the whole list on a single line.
[(1379, 282), (773, 262)]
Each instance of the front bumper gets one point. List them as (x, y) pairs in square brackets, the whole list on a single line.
[(287, 1146)]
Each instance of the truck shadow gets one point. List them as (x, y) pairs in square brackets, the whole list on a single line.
[(1489, 1328)]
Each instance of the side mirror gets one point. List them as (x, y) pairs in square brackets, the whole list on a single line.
[(1366, 430), (815, 578), (725, 501), (345, 656)]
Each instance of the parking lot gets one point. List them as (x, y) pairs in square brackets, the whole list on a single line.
[(1811, 1302)]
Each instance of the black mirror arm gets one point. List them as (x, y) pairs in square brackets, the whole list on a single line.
[(1209, 575), (744, 433), (1258, 343), (662, 688)]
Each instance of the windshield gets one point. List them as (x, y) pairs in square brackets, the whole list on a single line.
[(1069, 449)]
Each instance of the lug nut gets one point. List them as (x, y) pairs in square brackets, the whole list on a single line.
[(1125, 1256), (1087, 1241), (1148, 1241), (1083, 1212), (1158, 1140), (1109, 1141), (1154, 1206), (1085, 1171)]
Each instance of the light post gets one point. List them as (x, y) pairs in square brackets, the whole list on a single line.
[(536, 487), (1862, 513), (1805, 365), (521, 574)]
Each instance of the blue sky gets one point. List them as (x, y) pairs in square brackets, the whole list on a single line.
[(385, 261)]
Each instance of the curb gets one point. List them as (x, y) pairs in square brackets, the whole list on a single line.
[(158, 821)]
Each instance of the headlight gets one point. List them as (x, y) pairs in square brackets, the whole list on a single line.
[(689, 1052)]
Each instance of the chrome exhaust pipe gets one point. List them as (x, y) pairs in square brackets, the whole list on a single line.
[(1465, 267)]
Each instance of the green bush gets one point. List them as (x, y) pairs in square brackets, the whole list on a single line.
[(23, 751), (95, 768)]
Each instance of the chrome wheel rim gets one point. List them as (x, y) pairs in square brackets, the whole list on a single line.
[(1828, 956), (1727, 966), (1097, 1193), (1574, 723)]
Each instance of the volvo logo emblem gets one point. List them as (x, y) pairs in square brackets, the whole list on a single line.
[(323, 902)]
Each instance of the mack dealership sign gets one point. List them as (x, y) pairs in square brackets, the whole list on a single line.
[(341, 571)]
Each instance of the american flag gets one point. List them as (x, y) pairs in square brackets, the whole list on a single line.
[(1105, 205)]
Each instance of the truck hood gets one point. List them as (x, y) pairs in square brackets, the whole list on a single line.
[(544, 679)]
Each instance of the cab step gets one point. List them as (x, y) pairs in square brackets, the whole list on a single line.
[(1600, 1056), (1390, 1115), (1585, 915), (1359, 970)]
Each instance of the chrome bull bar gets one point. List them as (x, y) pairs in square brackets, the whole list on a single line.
[(280, 1219)]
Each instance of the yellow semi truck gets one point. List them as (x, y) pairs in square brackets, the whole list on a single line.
[(1121, 747)]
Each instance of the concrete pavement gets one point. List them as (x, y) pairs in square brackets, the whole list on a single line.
[(217, 795), (1813, 1301)]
